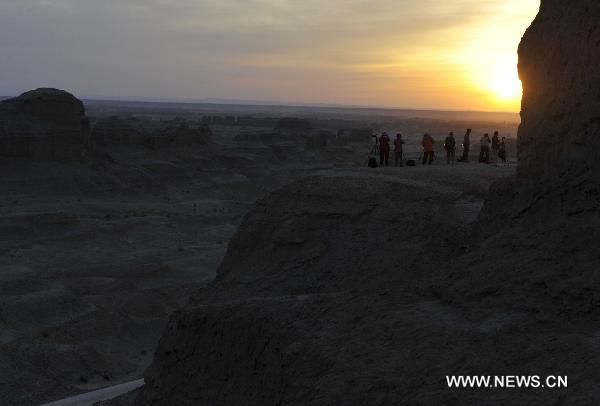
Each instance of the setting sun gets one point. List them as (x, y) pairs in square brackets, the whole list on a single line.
[(506, 84), (408, 54)]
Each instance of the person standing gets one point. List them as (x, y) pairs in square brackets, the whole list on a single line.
[(484, 154), (450, 147), (398, 143), (466, 146), (428, 145), (495, 146), (502, 150), (375, 145), (384, 149)]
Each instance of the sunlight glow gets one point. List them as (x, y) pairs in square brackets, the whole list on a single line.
[(423, 54), (489, 58), (504, 82)]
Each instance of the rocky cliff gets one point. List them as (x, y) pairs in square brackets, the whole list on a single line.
[(43, 124), (559, 138)]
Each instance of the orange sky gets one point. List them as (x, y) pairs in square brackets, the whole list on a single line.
[(439, 54)]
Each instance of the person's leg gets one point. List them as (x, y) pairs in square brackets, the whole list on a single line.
[(380, 158), (447, 157), (430, 158), (424, 158)]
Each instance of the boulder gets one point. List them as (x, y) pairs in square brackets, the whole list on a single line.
[(43, 124)]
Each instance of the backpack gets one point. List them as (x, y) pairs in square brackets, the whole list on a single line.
[(373, 163)]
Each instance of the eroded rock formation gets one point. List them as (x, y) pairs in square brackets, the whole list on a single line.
[(559, 138), (43, 124), (114, 130)]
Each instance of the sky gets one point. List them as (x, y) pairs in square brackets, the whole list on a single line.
[(435, 54)]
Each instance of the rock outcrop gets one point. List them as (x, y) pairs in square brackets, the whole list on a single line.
[(43, 124), (305, 303), (559, 138)]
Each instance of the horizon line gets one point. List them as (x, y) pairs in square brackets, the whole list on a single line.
[(265, 103)]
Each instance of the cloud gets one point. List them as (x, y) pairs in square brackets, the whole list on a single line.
[(251, 49)]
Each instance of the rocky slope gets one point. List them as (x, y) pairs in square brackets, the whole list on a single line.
[(43, 124), (371, 290)]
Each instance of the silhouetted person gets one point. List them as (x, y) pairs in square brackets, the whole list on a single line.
[(466, 146), (398, 143), (375, 145), (384, 149), (450, 147), (502, 150), (428, 144), (484, 154), (495, 145), (374, 151)]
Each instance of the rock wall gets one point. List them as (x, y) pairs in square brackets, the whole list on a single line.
[(559, 65), (43, 124)]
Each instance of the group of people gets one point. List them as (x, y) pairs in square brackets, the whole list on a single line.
[(383, 146), (495, 145)]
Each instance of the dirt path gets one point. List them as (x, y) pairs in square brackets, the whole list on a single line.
[(88, 399)]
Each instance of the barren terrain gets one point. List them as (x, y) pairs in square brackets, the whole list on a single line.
[(98, 252)]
